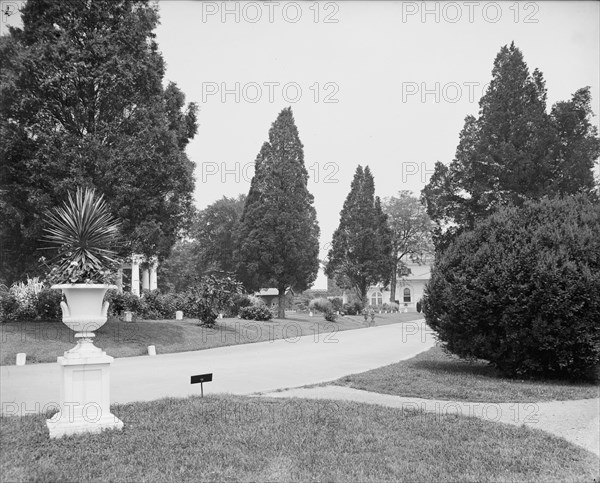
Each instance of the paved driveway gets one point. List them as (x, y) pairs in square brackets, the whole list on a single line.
[(242, 369)]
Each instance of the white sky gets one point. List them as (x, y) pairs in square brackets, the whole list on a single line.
[(375, 59)]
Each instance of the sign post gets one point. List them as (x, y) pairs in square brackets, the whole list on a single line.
[(201, 378)]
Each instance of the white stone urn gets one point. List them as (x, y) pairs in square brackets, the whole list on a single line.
[(85, 369), (84, 311)]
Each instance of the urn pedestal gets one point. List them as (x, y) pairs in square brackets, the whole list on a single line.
[(85, 369)]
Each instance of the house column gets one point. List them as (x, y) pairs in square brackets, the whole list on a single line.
[(145, 279), (135, 275), (153, 274)]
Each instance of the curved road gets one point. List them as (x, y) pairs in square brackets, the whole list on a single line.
[(241, 369)]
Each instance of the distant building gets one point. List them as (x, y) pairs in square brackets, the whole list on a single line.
[(270, 296), (410, 287)]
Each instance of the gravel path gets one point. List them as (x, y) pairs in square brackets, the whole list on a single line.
[(576, 421)]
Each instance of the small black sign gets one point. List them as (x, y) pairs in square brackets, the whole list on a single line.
[(201, 378)]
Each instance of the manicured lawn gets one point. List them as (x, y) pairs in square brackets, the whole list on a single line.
[(44, 341), (253, 439), (436, 375)]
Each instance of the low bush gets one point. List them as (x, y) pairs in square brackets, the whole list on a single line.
[(9, 306), (48, 305), (522, 290), (330, 316), (354, 308), (320, 305), (254, 312), (120, 302), (238, 302)]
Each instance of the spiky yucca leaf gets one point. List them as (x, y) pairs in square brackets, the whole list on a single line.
[(83, 230)]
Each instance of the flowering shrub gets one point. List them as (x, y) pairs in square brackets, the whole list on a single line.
[(30, 300)]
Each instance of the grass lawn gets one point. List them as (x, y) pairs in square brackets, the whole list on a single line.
[(44, 341), (436, 375), (226, 438)]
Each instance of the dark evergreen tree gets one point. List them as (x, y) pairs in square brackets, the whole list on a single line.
[(360, 255), (514, 150), (278, 236), (83, 104)]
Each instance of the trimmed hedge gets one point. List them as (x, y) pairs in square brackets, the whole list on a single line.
[(522, 290)]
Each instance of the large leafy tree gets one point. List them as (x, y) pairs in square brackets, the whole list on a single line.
[(278, 236), (360, 255), (411, 230), (513, 151), (83, 104), (214, 232), (209, 248)]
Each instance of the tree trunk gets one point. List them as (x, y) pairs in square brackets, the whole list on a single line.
[(393, 283), (362, 294), (281, 311)]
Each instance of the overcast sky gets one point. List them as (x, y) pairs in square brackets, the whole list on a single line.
[(384, 84), (387, 84)]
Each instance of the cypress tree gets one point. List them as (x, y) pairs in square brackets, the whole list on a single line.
[(360, 255), (278, 235)]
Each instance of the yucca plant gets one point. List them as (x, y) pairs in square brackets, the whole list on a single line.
[(84, 232)]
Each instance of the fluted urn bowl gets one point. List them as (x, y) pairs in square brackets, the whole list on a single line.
[(84, 311)]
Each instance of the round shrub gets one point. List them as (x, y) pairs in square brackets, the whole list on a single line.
[(354, 308), (9, 306), (256, 312), (522, 290), (330, 316), (320, 305), (119, 302), (238, 302)]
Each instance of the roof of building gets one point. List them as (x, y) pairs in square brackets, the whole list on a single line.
[(271, 291)]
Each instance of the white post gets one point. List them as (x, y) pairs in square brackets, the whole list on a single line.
[(135, 275), (145, 279), (153, 275)]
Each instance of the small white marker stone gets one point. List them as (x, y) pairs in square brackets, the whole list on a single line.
[(179, 315), (128, 316), (151, 350), (21, 358)]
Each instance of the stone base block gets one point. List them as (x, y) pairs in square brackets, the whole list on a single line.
[(61, 424)]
